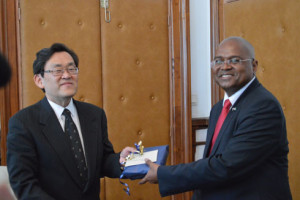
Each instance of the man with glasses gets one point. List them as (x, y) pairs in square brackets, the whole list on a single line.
[(58, 148), (245, 156)]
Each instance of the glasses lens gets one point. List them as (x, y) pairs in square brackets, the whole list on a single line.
[(73, 70), (57, 72), (219, 62), (234, 61)]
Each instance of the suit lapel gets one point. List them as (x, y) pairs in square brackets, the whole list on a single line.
[(58, 139), (212, 125), (231, 115)]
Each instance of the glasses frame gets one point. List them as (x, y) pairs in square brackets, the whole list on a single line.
[(229, 62), (60, 72)]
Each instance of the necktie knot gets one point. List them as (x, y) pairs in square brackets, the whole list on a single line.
[(227, 104), (66, 113)]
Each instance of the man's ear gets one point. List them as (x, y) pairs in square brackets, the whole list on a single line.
[(38, 80), (254, 65)]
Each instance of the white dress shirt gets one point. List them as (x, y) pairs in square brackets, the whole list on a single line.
[(61, 118), (233, 98)]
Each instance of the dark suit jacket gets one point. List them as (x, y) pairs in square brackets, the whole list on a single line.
[(248, 160), (39, 157)]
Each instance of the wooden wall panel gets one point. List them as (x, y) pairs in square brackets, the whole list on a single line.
[(77, 24), (72, 22), (273, 27), (136, 90)]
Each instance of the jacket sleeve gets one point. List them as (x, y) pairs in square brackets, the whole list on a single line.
[(110, 163), (22, 162)]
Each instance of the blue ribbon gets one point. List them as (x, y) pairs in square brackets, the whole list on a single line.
[(137, 146), (125, 184)]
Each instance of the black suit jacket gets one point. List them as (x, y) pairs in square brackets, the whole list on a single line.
[(248, 160), (39, 157)]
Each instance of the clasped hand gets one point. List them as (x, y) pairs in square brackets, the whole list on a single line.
[(125, 152), (151, 176)]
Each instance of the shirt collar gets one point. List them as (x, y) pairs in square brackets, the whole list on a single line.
[(233, 98), (59, 109)]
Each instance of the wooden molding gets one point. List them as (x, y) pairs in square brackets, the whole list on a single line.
[(229, 1), (181, 137), (9, 95), (216, 36)]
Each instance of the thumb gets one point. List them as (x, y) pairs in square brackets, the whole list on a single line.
[(148, 161), (143, 181)]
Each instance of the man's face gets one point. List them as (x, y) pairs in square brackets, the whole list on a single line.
[(58, 88), (232, 77)]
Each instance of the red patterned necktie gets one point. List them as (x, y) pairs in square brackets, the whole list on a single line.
[(221, 119)]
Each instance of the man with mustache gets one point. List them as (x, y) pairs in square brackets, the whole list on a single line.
[(58, 148), (245, 156)]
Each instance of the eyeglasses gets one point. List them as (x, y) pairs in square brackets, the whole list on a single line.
[(232, 62), (60, 72)]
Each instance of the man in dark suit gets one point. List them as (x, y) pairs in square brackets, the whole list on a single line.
[(42, 160), (247, 158)]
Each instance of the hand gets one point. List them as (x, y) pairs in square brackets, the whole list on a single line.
[(5, 192), (125, 152), (151, 176)]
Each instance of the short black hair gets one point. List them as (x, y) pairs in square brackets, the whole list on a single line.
[(45, 54)]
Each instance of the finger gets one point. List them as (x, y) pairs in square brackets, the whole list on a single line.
[(153, 182), (132, 149), (126, 151), (129, 150), (143, 181), (148, 161), (122, 160)]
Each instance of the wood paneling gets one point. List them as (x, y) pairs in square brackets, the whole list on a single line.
[(180, 113), (181, 138), (136, 85), (72, 22), (9, 95), (216, 36)]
